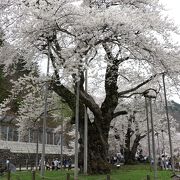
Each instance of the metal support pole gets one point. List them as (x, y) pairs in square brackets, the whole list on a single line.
[(147, 116), (163, 151), (46, 138), (0, 132), (29, 135), (153, 140), (19, 136), (45, 117), (7, 134), (12, 134), (20, 167), (62, 129), (157, 134), (53, 139), (37, 148), (85, 132), (168, 122), (76, 131)]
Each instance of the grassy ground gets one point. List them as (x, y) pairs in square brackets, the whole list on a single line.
[(135, 172)]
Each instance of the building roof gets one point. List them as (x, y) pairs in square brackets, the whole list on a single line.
[(24, 147)]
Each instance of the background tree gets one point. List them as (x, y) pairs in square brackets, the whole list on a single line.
[(12, 72), (174, 109), (130, 131)]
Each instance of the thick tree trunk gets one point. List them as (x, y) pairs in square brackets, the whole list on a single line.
[(97, 135), (129, 157), (97, 149), (130, 153)]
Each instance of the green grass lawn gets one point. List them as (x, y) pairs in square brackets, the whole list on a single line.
[(134, 172)]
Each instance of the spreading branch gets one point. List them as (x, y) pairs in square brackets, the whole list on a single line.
[(122, 93), (119, 113)]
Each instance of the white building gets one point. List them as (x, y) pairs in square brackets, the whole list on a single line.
[(10, 139)]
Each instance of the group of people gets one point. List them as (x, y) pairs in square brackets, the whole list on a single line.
[(56, 164), (164, 162), (116, 159)]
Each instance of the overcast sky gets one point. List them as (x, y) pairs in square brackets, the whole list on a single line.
[(173, 7), (173, 10)]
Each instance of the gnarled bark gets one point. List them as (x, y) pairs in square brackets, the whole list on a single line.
[(130, 150)]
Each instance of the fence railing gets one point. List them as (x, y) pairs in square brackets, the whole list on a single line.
[(68, 176)]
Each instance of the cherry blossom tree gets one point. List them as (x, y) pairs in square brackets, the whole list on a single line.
[(129, 42), (128, 132)]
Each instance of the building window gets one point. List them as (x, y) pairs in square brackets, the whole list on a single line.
[(4, 133)]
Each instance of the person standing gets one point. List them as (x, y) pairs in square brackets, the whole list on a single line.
[(56, 163)]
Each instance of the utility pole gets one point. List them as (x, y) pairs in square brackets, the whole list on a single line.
[(149, 95), (37, 147), (45, 117), (168, 122), (153, 139), (157, 134), (163, 142), (86, 130), (147, 117), (62, 137), (76, 130)]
